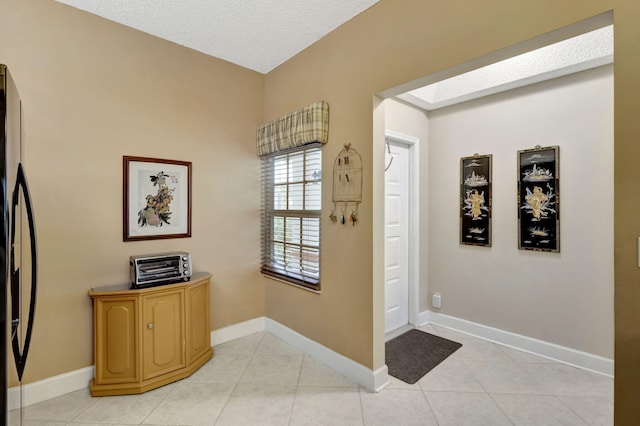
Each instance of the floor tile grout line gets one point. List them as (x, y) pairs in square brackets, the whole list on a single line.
[(360, 389), (297, 387), (235, 385), (506, 415), (433, 412), (94, 400), (528, 368), (158, 404), (586, 422)]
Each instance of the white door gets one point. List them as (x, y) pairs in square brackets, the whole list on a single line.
[(396, 288)]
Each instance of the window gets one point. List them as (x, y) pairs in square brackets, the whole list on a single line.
[(291, 209)]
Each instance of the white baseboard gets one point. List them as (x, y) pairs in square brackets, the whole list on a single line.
[(76, 380), (423, 318), (52, 387), (371, 380), (48, 388), (563, 354), (236, 331)]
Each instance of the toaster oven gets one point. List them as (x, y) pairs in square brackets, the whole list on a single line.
[(158, 269)]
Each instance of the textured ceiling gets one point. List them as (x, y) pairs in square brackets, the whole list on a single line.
[(256, 34), (262, 34), (588, 50)]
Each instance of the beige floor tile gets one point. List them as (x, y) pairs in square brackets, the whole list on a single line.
[(243, 345), (273, 345), (273, 369), (506, 377), (127, 409), (253, 404), (396, 407), (395, 383), (83, 424), (326, 406), (191, 403), (594, 410), (451, 375), (63, 408), (14, 420), (537, 410), (315, 373), (222, 368), (604, 383), (466, 409), (479, 350), (260, 379), (563, 379)]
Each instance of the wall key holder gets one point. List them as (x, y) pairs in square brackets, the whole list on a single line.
[(347, 184)]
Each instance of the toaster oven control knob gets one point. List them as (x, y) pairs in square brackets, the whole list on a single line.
[(149, 326), (186, 272), (185, 258), (186, 265)]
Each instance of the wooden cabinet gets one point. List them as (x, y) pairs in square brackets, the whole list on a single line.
[(146, 338), (163, 333)]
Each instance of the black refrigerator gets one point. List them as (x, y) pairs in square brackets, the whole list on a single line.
[(18, 253)]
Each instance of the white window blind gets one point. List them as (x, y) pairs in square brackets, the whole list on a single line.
[(291, 209)]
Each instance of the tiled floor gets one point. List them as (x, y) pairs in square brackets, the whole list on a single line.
[(261, 380)]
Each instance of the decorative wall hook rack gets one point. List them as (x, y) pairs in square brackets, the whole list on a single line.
[(347, 185)]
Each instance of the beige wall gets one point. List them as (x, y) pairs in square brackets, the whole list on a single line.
[(346, 68), (92, 92), (399, 41), (95, 91), (502, 287), (564, 298)]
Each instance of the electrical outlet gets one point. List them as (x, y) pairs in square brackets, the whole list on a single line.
[(436, 300)]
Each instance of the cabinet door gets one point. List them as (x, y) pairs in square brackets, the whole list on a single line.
[(198, 328), (115, 340), (162, 333)]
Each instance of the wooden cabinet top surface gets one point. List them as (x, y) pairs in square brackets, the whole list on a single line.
[(123, 289)]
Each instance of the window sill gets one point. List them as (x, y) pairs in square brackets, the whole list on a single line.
[(300, 286)]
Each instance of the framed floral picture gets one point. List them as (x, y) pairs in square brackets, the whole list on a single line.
[(539, 199), (475, 200), (156, 198)]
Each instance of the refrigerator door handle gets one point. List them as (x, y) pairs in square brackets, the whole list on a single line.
[(20, 353)]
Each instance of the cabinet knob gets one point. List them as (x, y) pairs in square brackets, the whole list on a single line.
[(149, 326)]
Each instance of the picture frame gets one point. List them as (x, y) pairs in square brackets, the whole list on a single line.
[(156, 198), (539, 199), (475, 200)]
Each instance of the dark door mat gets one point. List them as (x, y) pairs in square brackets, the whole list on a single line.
[(414, 353)]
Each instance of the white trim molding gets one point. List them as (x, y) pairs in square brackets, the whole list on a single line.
[(423, 318), (52, 387), (563, 354), (401, 137), (413, 144), (235, 331), (372, 380)]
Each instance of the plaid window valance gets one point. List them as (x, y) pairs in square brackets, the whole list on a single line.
[(306, 125)]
